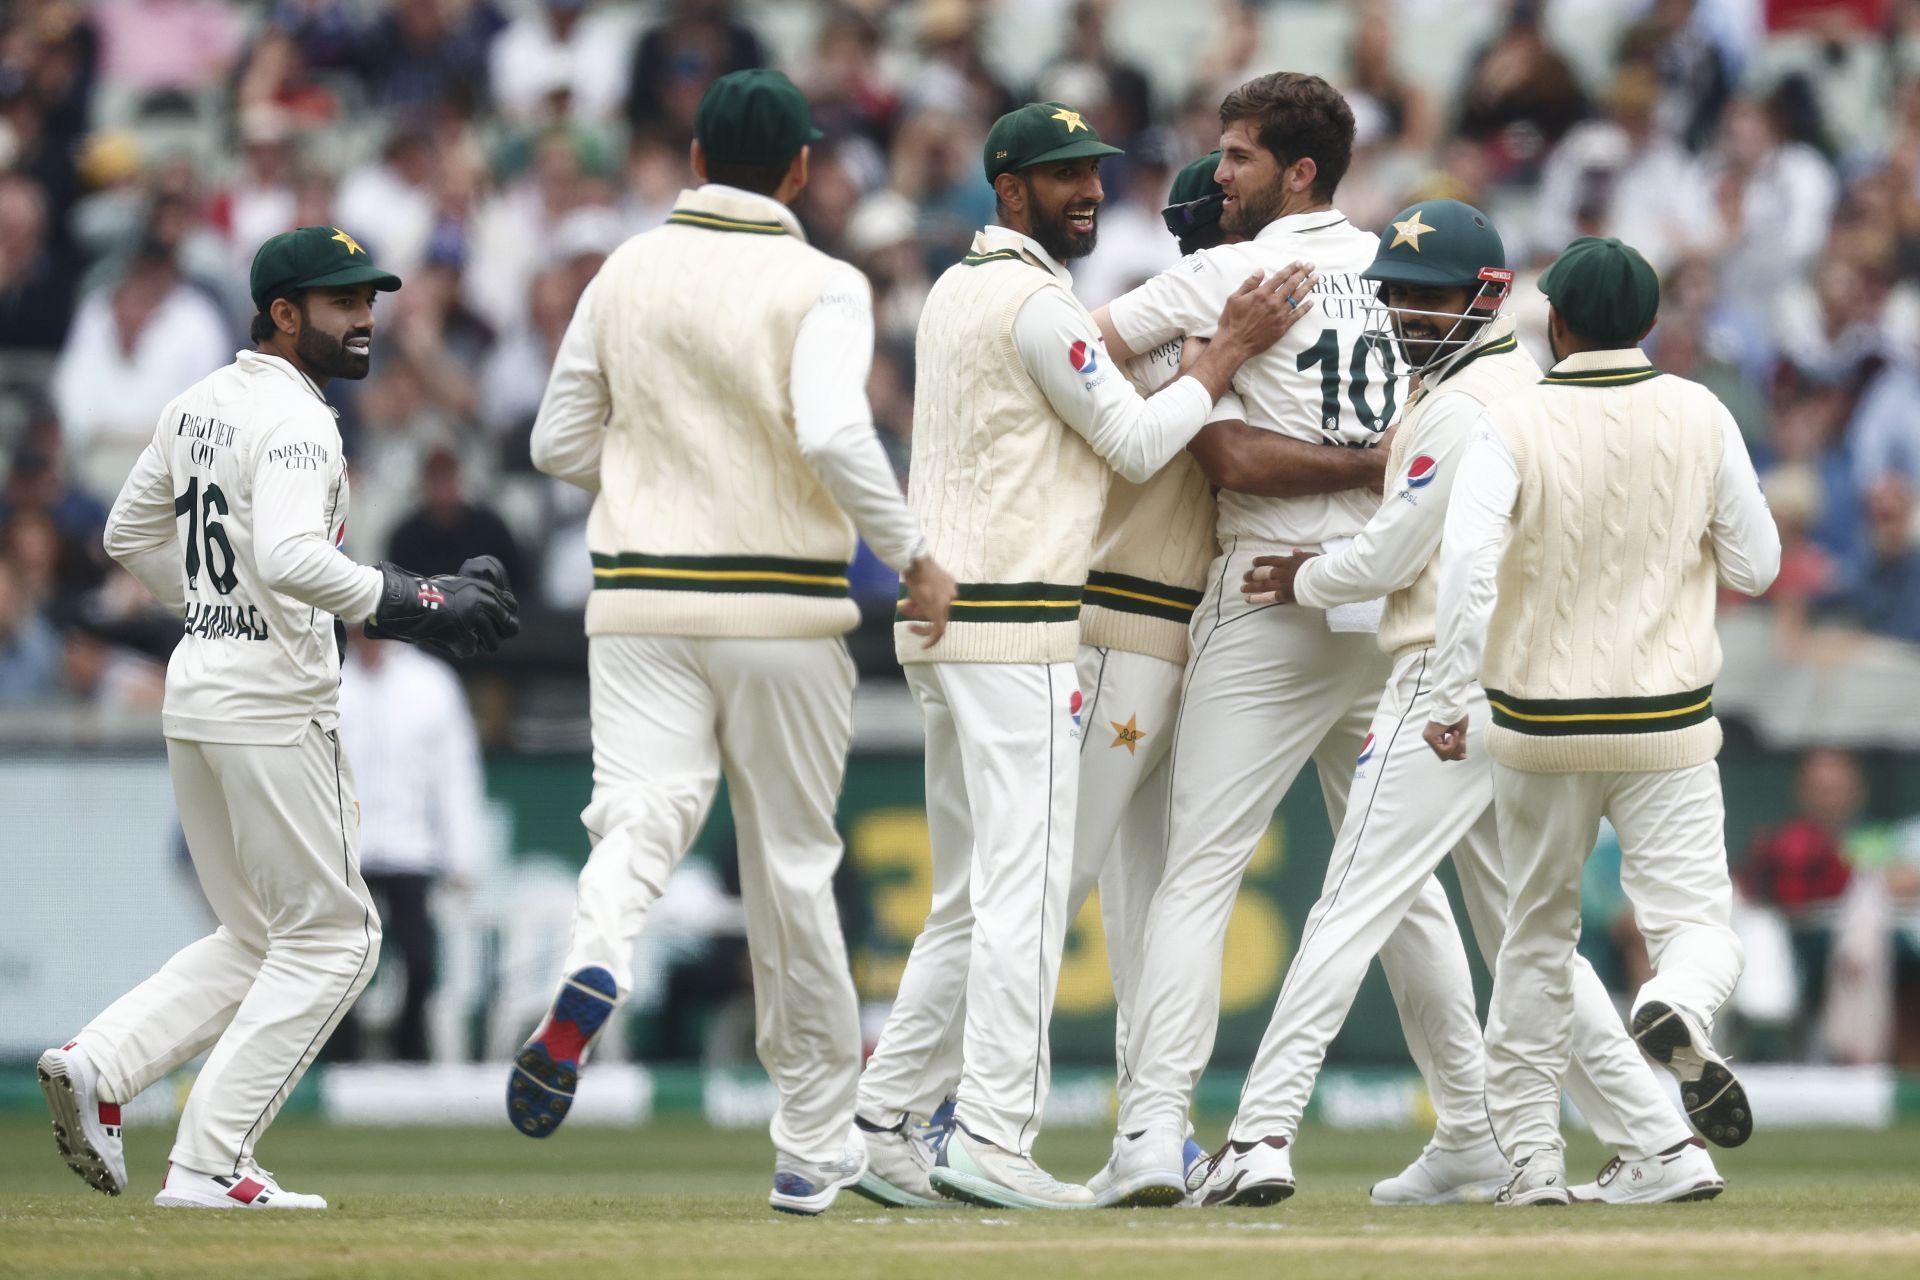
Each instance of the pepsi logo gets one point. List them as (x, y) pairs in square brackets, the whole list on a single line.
[(1366, 751), (1083, 357), (1421, 470), (1074, 703)]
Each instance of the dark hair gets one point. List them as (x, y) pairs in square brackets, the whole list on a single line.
[(263, 326), (1298, 116), (761, 179)]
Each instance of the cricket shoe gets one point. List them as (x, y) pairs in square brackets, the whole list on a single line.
[(1683, 1172), (899, 1160), (1148, 1169), (547, 1071), (254, 1188), (85, 1128), (1193, 1159), (805, 1188), (1250, 1174), (976, 1171), (1715, 1101), (1439, 1176), (1539, 1178)]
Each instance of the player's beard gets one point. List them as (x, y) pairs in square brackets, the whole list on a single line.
[(328, 357), (1252, 209), (1060, 239)]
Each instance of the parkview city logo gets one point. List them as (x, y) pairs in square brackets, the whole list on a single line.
[(1083, 357)]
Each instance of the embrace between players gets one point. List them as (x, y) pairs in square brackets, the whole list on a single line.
[(1131, 518)]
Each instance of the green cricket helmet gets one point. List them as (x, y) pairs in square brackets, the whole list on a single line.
[(1195, 200), (1441, 244)]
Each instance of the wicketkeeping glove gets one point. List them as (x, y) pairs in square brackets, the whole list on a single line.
[(455, 615)]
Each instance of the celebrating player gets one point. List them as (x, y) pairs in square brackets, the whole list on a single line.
[(232, 517), (1268, 687), (711, 391), (1591, 518), (1441, 272), (1017, 420)]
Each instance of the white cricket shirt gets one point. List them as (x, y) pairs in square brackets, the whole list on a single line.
[(233, 517), (1320, 382)]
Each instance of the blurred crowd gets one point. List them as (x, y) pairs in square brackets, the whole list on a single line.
[(1765, 154)]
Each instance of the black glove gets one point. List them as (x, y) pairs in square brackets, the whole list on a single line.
[(453, 615)]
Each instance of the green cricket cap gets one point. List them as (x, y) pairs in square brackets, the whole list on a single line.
[(1195, 200), (756, 117), (1442, 243), (312, 258), (1040, 133), (1604, 290)]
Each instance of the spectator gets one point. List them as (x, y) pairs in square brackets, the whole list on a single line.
[(1521, 95), (447, 528), (1618, 176), (1885, 599), (881, 241), (36, 288), (564, 58), (1695, 69), (259, 202), (1405, 115), (848, 89), (37, 481), (516, 374), (697, 42), (1801, 864), (157, 46), (421, 50), (29, 646), (1121, 89), (132, 348), (410, 740), (99, 676), (1761, 204), (389, 202)]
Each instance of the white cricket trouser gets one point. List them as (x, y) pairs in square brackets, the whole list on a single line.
[(1407, 810), (1673, 866), (275, 838), (1003, 769), (670, 714), (1120, 823), (1267, 689)]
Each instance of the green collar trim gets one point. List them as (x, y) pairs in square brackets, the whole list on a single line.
[(997, 255), (1601, 377), (1498, 347), (715, 222)]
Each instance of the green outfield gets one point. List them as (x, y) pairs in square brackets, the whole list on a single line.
[(677, 1199)]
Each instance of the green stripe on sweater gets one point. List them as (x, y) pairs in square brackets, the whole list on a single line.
[(634, 571), (1558, 717), (1123, 593)]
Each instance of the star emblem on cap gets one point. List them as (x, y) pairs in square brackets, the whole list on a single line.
[(1069, 118), (353, 246), (1409, 232)]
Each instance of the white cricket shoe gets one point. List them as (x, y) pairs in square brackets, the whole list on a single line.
[(1147, 1169), (899, 1161), (1539, 1177), (975, 1170), (805, 1188), (1249, 1174), (85, 1128), (254, 1188), (1715, 1101), (1684, 1172), (1439, 1176)]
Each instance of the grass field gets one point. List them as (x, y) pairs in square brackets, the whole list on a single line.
[(676, 1199)]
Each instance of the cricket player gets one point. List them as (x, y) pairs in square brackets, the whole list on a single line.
[(233, 518), (1268, 687), (711, 392), (1441, 272), (1594, 516), (1019, 422), (1149, 565)]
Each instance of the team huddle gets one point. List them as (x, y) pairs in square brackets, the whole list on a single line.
[(1302, 496)]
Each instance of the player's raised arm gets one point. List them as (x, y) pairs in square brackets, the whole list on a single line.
[(1138, 436)]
